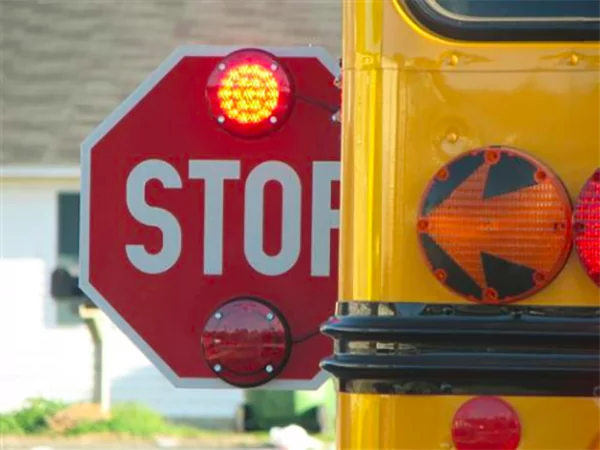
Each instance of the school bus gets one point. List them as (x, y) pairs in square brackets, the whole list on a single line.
[(470, 226)]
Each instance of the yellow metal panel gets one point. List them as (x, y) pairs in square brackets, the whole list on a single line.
[(392, 422), (412, 101)]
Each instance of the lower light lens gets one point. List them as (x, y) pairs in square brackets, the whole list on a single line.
[(486, 423), (586, 226), (246, 343)]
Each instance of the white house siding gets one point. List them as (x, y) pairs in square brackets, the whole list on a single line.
[(134, 378), (39, 357)]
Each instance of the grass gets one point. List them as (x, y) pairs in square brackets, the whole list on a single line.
[(126, 420), (30, 419)]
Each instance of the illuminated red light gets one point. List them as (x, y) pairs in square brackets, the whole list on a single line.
[(486, 423), (249, 93), (246, 342), (586, 218)]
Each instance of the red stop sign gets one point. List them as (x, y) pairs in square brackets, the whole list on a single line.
[(180, 217)]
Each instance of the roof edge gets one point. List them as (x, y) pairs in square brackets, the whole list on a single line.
[(38, 171)]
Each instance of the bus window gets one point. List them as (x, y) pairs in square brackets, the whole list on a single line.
[(509, 20), (490, 10)]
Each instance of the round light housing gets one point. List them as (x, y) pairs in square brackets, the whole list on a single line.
[(249, 93), (495, 225), (246, 342), (586, 225), (486, 423)]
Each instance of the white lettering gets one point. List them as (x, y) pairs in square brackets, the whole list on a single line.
[(153, 216), (214, 174), (254, 215), (324, 219)]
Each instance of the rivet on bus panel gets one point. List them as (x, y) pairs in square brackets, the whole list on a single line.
[(452, 137), (453, 61), (573, 59)]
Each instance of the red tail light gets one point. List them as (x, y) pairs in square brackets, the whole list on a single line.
[(246, 343), (586, 224), (249, 93), (486, 423)]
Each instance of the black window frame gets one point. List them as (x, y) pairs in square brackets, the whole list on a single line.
[(68, 226), (501, 30), (67, 250)]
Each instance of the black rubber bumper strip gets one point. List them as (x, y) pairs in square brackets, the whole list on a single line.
[(469, 350)]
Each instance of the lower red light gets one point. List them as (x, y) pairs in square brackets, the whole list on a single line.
[(486, 423), (586, 225), (246, 343)]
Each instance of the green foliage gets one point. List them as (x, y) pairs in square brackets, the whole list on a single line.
[(137, 420), (9, 425), (128, 419), (86, 427), (32, 417)]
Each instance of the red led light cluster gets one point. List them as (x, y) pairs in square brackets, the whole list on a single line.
[(586, 226), (249, 93), (246, 342)]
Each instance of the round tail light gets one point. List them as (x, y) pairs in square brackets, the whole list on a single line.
[(486, 423), (586, 224), (495, 225), (246, 342), (249, 93)]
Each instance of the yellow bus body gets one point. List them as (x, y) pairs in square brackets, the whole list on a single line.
[(394, 422), (411, 102)]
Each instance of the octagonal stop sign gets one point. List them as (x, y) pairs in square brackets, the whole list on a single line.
[(209, 216)]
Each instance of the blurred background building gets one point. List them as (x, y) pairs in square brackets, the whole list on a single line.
[(65, 65)]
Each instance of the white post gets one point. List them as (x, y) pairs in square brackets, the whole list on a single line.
[(97, 322)]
